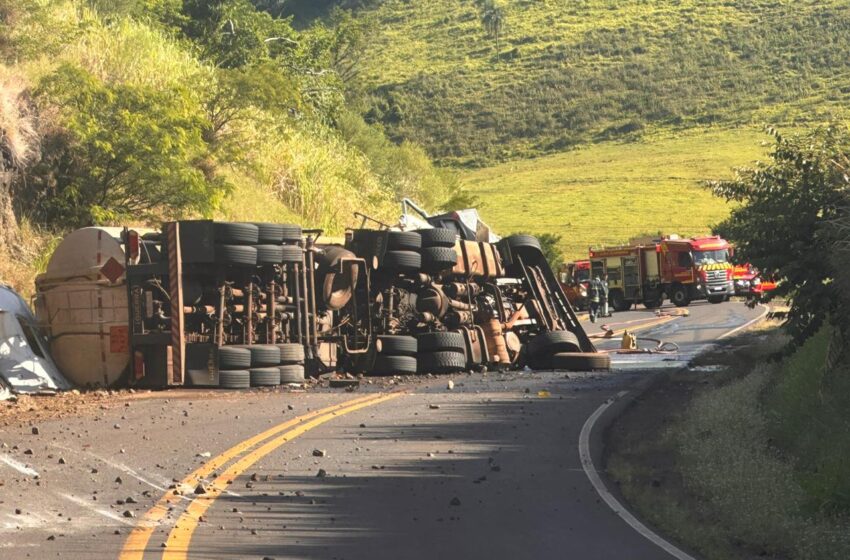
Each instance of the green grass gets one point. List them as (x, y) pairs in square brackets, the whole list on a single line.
[(568, 73), (609, 192)]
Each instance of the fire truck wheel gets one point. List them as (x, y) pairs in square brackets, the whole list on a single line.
[(230, 357), (437, 237), (653, 303), (265, 377), (618, 301), (542, 347), (291, 374), (234, 379), (393, 365), (436, 259), (404, 241), (442, 362), (236, 233), (392, 345), (437, 341), (291, 353), (269, 254), (404, 261), (291, 254), (263, 355), (581, 361), (236, 255), (679, 296)]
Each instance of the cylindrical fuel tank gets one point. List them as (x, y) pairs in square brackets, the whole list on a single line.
[(82, 301)]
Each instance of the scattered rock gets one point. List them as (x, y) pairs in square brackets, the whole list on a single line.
[(322, 473), (455, 501), (130, 500), (35, 431), (128, 513), (450, 385), (320, 453), (93, 471), (433, 406), (18, 511), (255, 477), (118, 480), (62, 460), (28, 452), (201, 488), (290, 407), (117, 426), (204, 455)]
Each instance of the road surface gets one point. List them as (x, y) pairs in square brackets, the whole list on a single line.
[(489, 469)]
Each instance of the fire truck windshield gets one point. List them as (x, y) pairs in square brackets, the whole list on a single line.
[(582, 275), (711, 257)]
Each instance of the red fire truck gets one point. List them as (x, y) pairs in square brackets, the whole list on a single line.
[(683, 270), (574, 278)]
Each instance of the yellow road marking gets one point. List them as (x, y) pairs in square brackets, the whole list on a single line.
[(177, 545), (137, 541)]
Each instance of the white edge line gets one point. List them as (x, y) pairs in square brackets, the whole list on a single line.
[(20, 467), (747, 324), (602, 490), (104, 512)]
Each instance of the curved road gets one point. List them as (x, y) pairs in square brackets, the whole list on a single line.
[(489, 469)]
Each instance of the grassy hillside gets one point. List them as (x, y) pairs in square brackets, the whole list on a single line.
[(609, 192), (566, 73)]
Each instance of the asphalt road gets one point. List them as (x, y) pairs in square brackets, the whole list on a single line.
[(488, 469)]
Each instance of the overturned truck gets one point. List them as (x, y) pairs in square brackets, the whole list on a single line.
[(204, 303)]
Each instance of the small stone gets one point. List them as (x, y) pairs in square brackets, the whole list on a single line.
[(322, 473), (117, 426), (130, 500), (61, 460), (118, 480), (320, 453), (455, 501), (450, 385), (35, 431), (362, 425), (434, 406), (255, 477), (128, 513), (290, 407), (28, 452), (18, 511), (201, 488), (93, 471), (51, 538)]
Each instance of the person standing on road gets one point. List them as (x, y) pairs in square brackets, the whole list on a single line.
[(603, 294), (594, 294)]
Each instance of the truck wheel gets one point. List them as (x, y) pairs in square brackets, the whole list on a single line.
[(291, 254), (436, 259), (438, 341), (618, 301), (582, 361), (263, 355), (394, 345), (522, 243), (716, 299), (291, 373), (291, 353), (653, 303), (679, 296), (265, 377), (393, 365), (234, 379), (236, 255), (335, 287), (404, 241), (437, 237), (275, 234), (403, 261), (236, 233), (442, 362), (269, 254), (230, 357), (542, 347)]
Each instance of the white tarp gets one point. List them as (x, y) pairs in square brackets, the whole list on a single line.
[(25, 362)]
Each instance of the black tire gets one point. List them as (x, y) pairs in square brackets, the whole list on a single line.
[(291, 373), (653, 303), (236, 233), (275, 234), (553, 342), (441, 341), (335, 287), (679, 296), (442, 362), (234, 379), (393, 345), (582, 361), (618, 301), (236, 255), (291, 254), (265, 377), (269, 254), (233, 357), (717, 299), (393, 365), (403, 261), (522, 243), (404, 241), (436, 259), (437, 237), (291, 353), (263, 355)]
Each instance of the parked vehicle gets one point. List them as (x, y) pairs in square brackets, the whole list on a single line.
[(206, 303), (575, 278), (682, 270)]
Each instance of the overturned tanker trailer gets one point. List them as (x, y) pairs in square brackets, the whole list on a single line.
[(203, 303)]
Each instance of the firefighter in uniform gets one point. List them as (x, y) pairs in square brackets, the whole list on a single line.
[(594, 294)]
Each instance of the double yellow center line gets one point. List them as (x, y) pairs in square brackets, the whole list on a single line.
[(247, 452)]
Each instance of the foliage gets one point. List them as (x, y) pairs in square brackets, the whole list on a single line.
[(119, 153), (608, 193), (782, 223), (583, 71)]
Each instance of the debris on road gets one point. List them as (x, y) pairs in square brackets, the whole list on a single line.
[(322, 473), (320, 453), (450, 385)]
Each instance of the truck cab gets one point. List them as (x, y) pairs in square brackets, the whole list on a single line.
[(697, 268)]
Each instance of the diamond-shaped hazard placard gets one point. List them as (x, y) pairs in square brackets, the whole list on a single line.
[(112, 270)]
